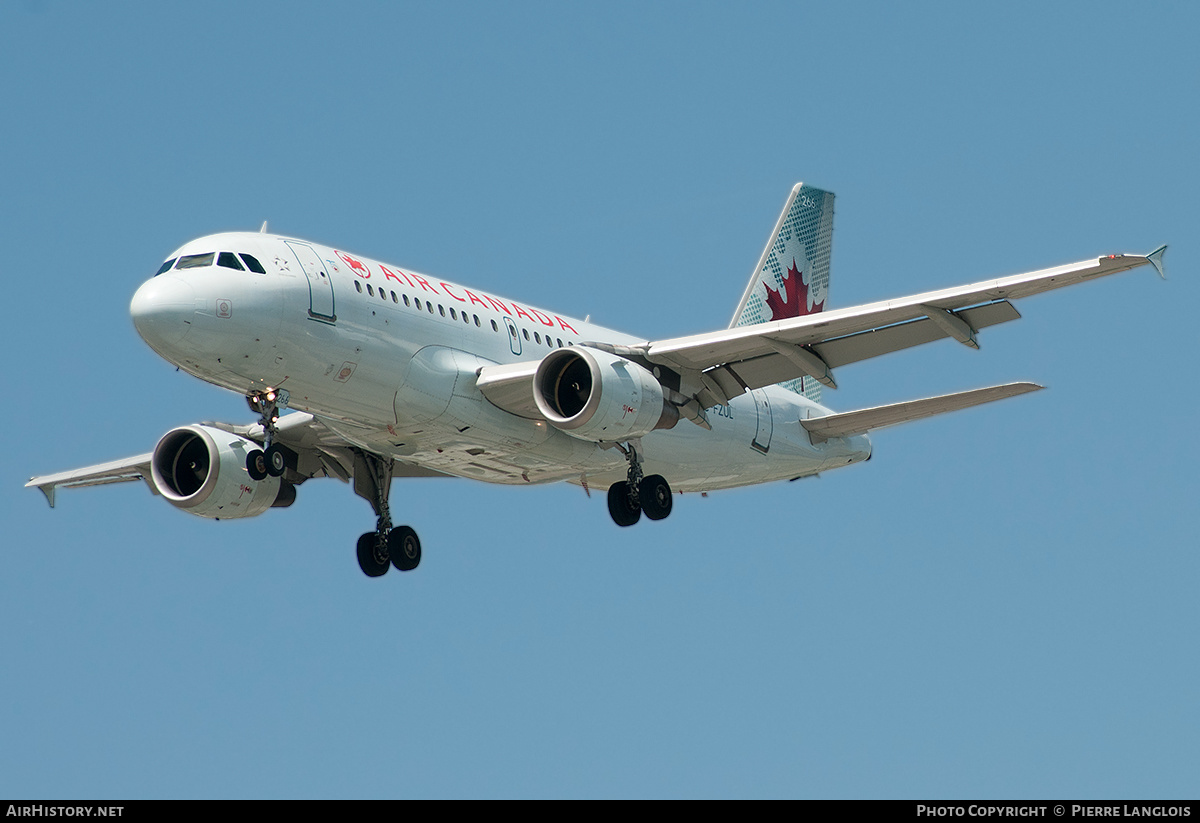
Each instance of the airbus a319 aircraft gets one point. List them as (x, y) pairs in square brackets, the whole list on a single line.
[(392, 373)]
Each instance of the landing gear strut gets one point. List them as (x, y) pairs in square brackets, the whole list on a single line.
[(270, 460), (629, 498), (386, 546)]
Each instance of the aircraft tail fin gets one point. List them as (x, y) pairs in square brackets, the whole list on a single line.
[(792, 275)]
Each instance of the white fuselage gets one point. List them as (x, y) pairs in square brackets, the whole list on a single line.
[(387, 358)]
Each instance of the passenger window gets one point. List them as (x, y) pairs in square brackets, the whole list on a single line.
[(229, 260), (559, 339), (196, 261), (453, 314), (476, 316), (494, 326), (537, 338), (370, 290), (441, 309), (429, 306), (253, 264), (394, 298), (165, 266), (526, 332), (406, 300), (358, 286)]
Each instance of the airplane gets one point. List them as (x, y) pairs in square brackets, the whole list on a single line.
[(386, 372)]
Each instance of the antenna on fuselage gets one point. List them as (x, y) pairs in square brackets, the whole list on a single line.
[(263, 230)]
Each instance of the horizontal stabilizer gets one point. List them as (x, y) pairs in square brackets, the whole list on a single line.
[(864, 420)]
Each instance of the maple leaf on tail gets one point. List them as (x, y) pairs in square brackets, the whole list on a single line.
[(798, 292)]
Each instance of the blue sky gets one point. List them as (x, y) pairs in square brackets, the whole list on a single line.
[(1000, 604)]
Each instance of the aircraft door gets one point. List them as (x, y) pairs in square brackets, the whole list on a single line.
[(514, 338), (320, 286), (766, 425)]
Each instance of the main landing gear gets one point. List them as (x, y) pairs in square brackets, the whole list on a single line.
[(379, 550), (270, 460), (628, 499), (386, 546)]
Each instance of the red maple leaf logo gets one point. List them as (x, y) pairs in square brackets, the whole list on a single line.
[(356, 266), (798, 292)]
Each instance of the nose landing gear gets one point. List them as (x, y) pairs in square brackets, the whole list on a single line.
[(270, 460)]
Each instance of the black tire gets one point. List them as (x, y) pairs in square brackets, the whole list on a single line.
[(367, 559), (655, 494), (624, 511), (256, 465), (405, 548), (275, 461)]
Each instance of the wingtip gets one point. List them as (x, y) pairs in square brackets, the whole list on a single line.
[(1024, 387), (46, 490), (1156, 259)]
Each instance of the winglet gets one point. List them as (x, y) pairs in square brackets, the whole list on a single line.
[(1156, 259), (263, 230), (48, 490)]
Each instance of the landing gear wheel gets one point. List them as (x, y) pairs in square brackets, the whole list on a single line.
[(369, 559), (405, 548), (655, 495), (623, 510), (274, 460), (256, 465)]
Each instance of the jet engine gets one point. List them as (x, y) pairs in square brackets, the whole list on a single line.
[(597, 396), (202, 470)]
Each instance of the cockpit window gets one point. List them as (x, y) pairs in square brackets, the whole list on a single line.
[(253, 264), (229, 260), (195, 261), (165, 266)]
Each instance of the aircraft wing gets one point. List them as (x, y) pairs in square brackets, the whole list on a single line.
[(127, 470), (319, 453), (718, 366)]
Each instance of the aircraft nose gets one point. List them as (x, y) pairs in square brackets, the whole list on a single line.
[(162, 310)]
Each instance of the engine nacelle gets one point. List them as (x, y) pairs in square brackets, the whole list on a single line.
[(597, 396), (202, 470)]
